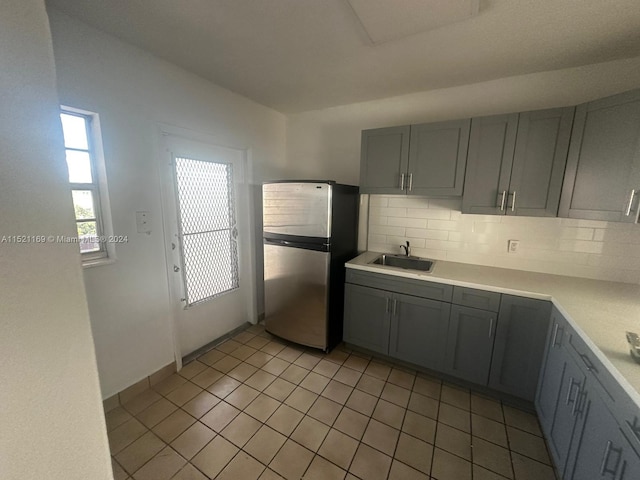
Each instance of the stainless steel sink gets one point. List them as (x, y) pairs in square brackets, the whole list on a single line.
[(402, 261)]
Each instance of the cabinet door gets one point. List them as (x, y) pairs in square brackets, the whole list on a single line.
[(366, 317), (491, 145), (418, 329), (470, 343), (519, 346), (551, 372), (603, 167), (540, 157), (602, 450), (384, 160), (437, 158), (569, 411)]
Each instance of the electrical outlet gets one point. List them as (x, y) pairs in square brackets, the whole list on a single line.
[(512, 246)]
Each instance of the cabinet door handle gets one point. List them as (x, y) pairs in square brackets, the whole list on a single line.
[(490, 327), (635, 427), (504, 197), (410, 181), (555, 335), (605, 457), (395, 306), (402, 181), (613, 469), (386, 308), (513, 201), (628, 210), (569, 392), (573, 383), (587, 361)]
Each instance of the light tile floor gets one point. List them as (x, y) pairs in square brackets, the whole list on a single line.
[(255, 407)]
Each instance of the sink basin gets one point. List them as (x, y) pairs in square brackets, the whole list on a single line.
[(402, 261)]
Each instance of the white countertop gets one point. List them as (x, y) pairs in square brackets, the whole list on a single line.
[(600, 311)]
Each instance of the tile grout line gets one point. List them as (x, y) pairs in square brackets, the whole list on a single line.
[(340, 364)]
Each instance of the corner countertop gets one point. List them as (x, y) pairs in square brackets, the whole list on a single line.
[(600, 311)]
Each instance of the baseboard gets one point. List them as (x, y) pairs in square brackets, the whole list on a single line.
[(137, 388)]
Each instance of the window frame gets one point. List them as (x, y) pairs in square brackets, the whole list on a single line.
[(98, 188)]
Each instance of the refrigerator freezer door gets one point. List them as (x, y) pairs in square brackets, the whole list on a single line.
[(296, 294), (302, 209)]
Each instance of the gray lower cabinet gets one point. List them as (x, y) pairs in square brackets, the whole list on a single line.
[(367, 317), (602, 179), (519, 345), (502, 349), (591, 426), (569, 411), (551, 371), (418, 327), (384, 158), (403, 326), (602, 450), (469, 343), (426, 159), (516, 163)]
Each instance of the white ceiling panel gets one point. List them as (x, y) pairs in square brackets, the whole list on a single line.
[(297, 55), (386, 20)]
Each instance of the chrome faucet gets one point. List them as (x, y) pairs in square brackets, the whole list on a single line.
[(407, 248)]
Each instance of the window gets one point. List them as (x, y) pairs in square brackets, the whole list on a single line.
[(80, 132)]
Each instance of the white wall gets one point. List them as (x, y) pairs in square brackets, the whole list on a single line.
[(326, 144), (50, 407), (134, 92)]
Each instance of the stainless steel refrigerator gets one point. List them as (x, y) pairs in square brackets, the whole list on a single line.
[(309, 232)]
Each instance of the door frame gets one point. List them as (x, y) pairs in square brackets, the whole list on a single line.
[(167, 193)]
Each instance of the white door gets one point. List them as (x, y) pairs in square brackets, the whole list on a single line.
[(208, 236)]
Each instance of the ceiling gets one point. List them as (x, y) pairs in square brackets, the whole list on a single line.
[(298, 55)]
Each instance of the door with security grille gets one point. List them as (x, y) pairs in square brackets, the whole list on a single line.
[(209, 255)]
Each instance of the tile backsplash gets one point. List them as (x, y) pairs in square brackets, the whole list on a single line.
[(437, 229)]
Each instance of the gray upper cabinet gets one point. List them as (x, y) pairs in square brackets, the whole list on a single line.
[(539, 160), (602, 179), (384, 160), (437, 158), (491, 145), (516, 163), (519, 345), (427, 159)]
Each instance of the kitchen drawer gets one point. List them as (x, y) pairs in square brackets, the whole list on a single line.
[(408, 286), (471, 297), (630, 425), (627, 414), (594, 368)]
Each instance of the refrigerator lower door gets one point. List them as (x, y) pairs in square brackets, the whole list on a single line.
[(296, 294)]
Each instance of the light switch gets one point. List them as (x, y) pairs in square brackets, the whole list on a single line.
[(143, 222)]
